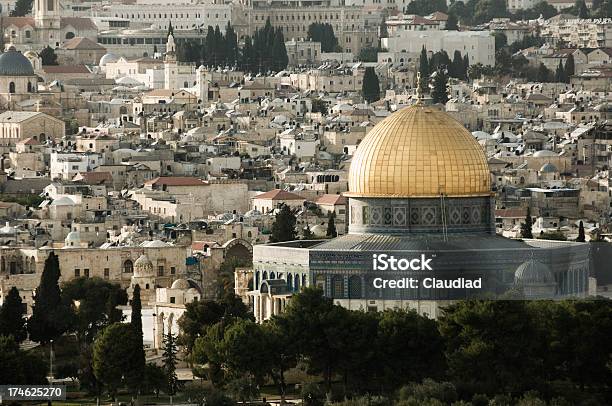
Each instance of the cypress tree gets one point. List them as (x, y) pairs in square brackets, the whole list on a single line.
[(12, 321), (569, 67), (370, 87), (466, 65), (526, 227), (331, 225), (560, 73), (136, 319), (581, 237), (211, 59), (169, 364), (22, 8), (50, 317)]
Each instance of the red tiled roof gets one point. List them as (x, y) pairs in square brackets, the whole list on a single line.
[(199, 245), (176, 181), (278, 194), (336, 200), (29, 141), (80, 23), (82, 43), (19, 22), (93, 177)]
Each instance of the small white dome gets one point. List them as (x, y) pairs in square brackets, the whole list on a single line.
[(180, 284), (108, 58)]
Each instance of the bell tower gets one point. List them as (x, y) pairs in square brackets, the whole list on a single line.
[(47, 19), (170, 61)]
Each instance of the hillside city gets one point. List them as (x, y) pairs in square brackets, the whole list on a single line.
[(192, 192)]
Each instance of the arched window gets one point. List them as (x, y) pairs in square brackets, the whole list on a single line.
[(264, 276), (70, 35), (50, 5), (12, 87), (272, 275), (128, 266), (32, 265), (296, 283), (289, 282), (29, 87), (355, 287), (256, 281), (338, 287)]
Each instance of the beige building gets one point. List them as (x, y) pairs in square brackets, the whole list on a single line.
[(301, 52), (269, 201), (16, 126), (79, 51)]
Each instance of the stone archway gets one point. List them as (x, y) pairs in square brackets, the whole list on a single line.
[(238, 249)]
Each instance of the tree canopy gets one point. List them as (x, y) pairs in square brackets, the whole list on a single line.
[(370, 87), (283, 228), (12, 321), (324, 33)]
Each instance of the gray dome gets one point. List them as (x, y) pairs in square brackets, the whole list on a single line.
[(533, 272), (548, 168), (13, 63), (108, 58)]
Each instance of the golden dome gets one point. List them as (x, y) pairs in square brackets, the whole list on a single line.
[(419, 152)]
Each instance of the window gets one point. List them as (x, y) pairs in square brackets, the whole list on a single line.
[(77, 273), (160, 270), (50, 5), (172, 270), (86, 272), (12, 87), (106, 273), (128, 266), (172, 299)]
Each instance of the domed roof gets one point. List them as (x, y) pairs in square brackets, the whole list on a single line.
[(143, 267), (108, 58), (63, 201), (73, 236), (419, 152), (543, 153), (13, 63), (533, 272), (143, 260), (548, 168), (180, 284)]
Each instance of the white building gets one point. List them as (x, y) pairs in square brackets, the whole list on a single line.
[(184, 16), (478, 45), (67, 165)]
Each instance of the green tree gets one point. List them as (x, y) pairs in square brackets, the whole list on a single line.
[(48, 56), (202, 314), (283, 228), (18, 367), (280, 59), (170, 360), (370, 87), (543, 74), (526, 227), (439, 92), (580, 9), (581, 237), (452, 24), (493, 347), (117, 357), (136, 315), (323, 33), (424, 70), (50, 316), (319, 106), (560, 73), (331, 225), (154, 379), (425, 7), (97, 305), (569, 67), (22, 8), (12, 321), (368, 54), (500, 40)]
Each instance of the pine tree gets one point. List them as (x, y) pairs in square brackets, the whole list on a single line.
[(211, 57), (466, 65), (560, 73), (581, 237), (136, 318), (22, 8), (12, 322), (370, 87), (439, 92), (283, 228), (456, 66), (247, 56), (48, 56), (581, 9), (231, 44), (331, 225), (50, 317), (169, 360), (526, 227), (543, 74)]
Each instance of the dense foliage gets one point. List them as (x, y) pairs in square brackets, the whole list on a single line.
[(324, 33)]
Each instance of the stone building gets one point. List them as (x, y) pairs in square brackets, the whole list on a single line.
[(17, 79), (16, 126)]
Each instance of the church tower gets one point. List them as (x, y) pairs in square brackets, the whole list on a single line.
[(170, 62), (47, 19)]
